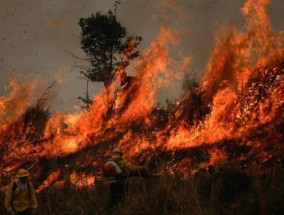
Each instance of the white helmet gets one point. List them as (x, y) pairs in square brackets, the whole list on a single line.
[(116, 153)]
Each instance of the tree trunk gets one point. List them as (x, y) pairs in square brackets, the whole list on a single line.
[(108, 100)]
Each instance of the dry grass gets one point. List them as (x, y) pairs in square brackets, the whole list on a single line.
[(225, 189)]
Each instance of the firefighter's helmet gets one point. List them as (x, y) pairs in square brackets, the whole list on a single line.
[(22, 173), (116, 153)]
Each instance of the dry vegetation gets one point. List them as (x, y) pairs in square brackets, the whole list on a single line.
[(221, 189), (249, 180)]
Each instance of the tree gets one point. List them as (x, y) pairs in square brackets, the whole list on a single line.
[(109, 48), (87, 101)]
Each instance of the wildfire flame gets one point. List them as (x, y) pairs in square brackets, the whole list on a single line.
[(241, 91)]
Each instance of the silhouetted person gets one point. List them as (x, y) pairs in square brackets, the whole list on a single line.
[(20, 196), (114, 171)]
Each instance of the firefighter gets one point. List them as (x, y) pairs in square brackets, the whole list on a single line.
[(115, 170), (20, 196)]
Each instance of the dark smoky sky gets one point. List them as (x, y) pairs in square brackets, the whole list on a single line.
[(37, 36)]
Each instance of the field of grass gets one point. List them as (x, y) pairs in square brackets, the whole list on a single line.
[(225, 189)]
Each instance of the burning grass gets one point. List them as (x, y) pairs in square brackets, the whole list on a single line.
[(220, 146), (229, 188)]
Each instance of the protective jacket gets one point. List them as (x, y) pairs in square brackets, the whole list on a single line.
[(115, 170), (124, 164), (20, 197)]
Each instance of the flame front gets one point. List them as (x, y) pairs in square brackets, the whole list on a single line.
[(242, 91)]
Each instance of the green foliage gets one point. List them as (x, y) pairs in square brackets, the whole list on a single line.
[(108, 45)]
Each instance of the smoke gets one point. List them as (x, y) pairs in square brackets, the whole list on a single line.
[(40, 43)]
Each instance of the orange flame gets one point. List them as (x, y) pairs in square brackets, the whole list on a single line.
[(227, 91)]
